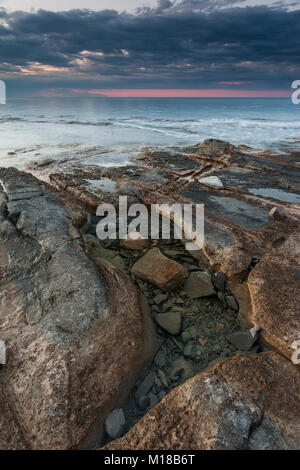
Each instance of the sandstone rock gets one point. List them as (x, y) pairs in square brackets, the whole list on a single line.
[(115, 423), (77, 337), (171, 322), (159, 270), (213, 181), (275, 296), (250, 401), (2, 353), (199, 285)]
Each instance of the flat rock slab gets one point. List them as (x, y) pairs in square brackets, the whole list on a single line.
[(172, 161), (241, 213), (250, 401), (159, 270), (76, 336), (291, 172), (262, 183)]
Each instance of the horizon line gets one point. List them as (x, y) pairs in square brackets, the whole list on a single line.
[(168, 93)]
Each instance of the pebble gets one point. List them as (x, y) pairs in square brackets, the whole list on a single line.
[(189, 333), (199, 285), (219, 281), (163, 378), (115, 423), (159, 299)]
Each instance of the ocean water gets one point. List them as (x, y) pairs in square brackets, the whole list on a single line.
[(113, 128)]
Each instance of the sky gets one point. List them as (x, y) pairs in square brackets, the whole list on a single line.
[(149, 48)]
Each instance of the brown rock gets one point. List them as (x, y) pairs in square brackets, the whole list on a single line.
[(275, 296), (159, 270), (76, 338), (250, 401), (199, 285)]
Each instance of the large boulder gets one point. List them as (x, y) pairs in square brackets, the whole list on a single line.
[(275, 295), (76, 335), (250, 401)]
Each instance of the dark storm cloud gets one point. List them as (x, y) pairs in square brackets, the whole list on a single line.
[(170, 45)]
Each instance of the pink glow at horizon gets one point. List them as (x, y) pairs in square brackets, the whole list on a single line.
[(183, 93)]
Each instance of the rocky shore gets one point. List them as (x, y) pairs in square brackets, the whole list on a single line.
[(169, 348)]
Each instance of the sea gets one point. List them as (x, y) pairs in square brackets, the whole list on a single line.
[(113, 129)]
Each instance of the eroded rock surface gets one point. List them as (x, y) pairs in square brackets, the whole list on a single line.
[(275, 294), (76, 336), (246, 402)]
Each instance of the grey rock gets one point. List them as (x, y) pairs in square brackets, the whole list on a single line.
[(181, 370), (167, 306), (144, 402), (171, 322), (189, 333), (163, 378), (153, 400), (243, 340), (159, 299), (219, 281), (2, 353), (189, 351), (160, 359), (232, 303), (145, 386), (213, 181), (115, 423)]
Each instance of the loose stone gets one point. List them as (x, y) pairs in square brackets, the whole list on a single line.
[(199, 285), (171, 322), (115, 423)]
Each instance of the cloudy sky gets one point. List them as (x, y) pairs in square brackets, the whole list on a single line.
[(64, 47)]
